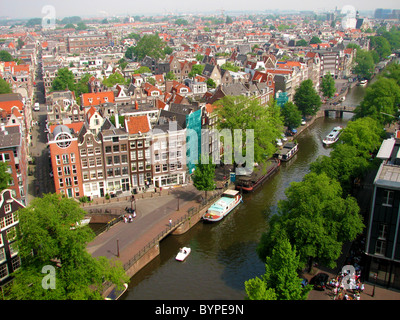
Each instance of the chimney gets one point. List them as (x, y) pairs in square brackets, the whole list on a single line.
[(116, 120), (136, 105)]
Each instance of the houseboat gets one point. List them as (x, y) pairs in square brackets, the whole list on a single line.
[(249, 181), (287, 152), (229, 200), (333, 136)]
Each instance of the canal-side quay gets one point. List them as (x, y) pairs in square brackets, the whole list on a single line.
[(135, 244)]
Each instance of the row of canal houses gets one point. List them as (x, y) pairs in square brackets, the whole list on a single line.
[(104, 149)]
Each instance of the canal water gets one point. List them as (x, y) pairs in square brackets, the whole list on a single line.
[(224, 254)]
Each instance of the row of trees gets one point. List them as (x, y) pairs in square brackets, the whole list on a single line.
[(319, 214)]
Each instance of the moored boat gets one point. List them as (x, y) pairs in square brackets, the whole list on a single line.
[(250, 181), (287, 152), (229, 200), (333, 136), (115, 294), (363, 83)]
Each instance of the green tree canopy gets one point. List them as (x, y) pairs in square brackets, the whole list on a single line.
[(204, 176), (381, 45), (4, 86), (315, 40), (149, 45), (315, 219), (291, 115), (328, 85), (365, 66), (5, 56), (381, 101), (113, 79), (301, 43), (196, 69), (307, 99), (46, 239), (239, 112), (65, 80), (281, 280)]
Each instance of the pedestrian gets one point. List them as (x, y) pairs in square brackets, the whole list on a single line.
[(125, 219), (130, 218), (134, 213), (170, 223)]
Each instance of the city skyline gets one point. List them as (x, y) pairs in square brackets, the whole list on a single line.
[(21, 9)]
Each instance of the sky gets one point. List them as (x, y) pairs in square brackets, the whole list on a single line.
[(107, 8)]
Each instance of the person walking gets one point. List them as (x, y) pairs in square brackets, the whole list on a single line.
[(170, 223)]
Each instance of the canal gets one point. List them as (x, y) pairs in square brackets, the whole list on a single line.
[(224, 254)]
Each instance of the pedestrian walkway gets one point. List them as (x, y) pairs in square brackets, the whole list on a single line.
[(152, 219)]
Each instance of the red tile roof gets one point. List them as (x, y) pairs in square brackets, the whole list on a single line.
[(138, 124), (97, 98)]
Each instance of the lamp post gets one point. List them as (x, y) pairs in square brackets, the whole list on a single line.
[(178, 202), (117, 248)]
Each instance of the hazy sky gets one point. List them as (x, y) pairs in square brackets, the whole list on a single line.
[(64, 8)]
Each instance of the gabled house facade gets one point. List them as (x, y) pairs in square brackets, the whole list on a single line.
[(9, 222)]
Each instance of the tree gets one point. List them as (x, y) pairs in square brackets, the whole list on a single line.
[(196, 69), (243, 112), (129, 53), (181, 22), (328, 85), (365, 66), (113, 79), (315, 40), (315, 219), (381, 99), (291, 115), (230, 66), (307, 99), (170, 76), (4, 86), (149, 45), (211, 83), (366, 134), (281, 280), (5, 177), (344, 165), (46, 240), (5, 56), (204, 176), (301, 43), (142, 69), (65, 80), (382, 46)]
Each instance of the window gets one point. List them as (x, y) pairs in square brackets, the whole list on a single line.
[(116, 159), (382, 231), (109, 161), (7, 207), (124, 147), (108, 149), (67, 170), (68, 182), (388, 198), (72, 157), (116, 148), (110, 172), (158, 168), (65, 158), (74, 169), (380, 247), (124, 158), (58, 160), (140, 154), (140, 165), (117, 171), (61, 183)]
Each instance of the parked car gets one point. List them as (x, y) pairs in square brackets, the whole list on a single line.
[(303, 122), (319, 281), (304, 282), (36, 106)]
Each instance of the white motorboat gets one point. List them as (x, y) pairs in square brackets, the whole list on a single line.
[(81, 223), (183, 253), (363, 83), (333, 136)]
